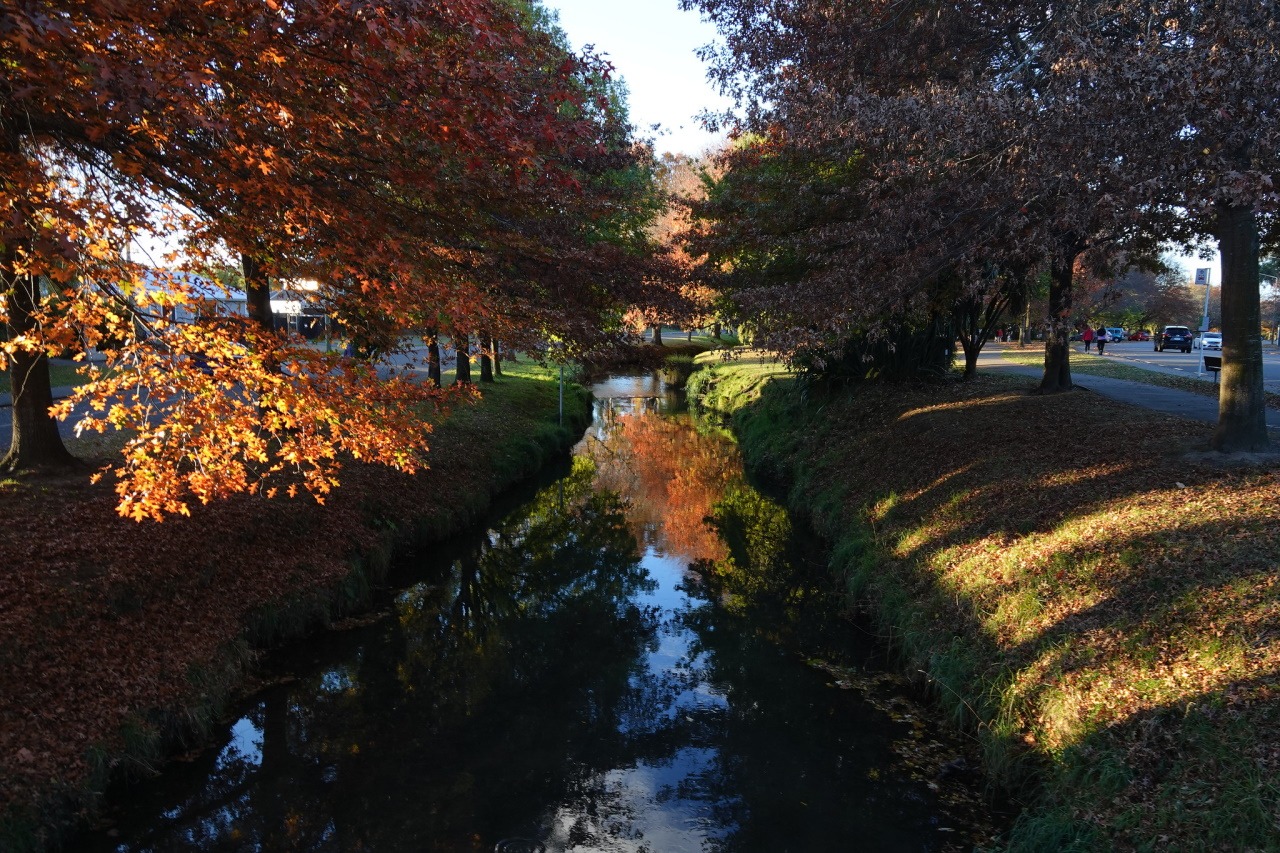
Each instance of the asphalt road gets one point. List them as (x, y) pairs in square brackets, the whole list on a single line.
[(1142, 354)]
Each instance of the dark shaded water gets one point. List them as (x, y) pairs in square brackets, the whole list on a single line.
[(564, 681)]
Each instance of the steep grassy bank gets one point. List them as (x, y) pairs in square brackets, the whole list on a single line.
[(121, 641), (1104, 610)]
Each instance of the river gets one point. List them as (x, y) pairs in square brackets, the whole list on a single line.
[(644, 656)]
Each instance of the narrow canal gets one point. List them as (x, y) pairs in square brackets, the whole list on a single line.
[(644, 656)]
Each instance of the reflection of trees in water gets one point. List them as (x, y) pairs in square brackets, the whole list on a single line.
[(758, 568), (670, 475), (507, 687), (514, 696)]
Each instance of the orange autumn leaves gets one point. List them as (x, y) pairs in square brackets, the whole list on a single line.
[(672, 478)]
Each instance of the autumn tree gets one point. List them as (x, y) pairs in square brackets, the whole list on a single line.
[(964, 134), (410, 154)]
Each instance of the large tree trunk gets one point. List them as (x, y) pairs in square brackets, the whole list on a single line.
[(486, 359), (970, 357), (257, 293), (462, 343), (1242, 424), (657, 335), (34, 442), (1057, 347)]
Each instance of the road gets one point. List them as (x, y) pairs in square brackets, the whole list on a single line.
[(1142, 354)]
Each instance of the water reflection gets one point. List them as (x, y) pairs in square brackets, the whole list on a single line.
[(569, 682)]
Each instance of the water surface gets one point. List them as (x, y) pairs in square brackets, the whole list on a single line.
[(644, 656)]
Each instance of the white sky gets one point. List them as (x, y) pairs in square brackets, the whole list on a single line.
[(651, 44)]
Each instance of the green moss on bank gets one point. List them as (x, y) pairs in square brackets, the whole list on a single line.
[(1104, 613)]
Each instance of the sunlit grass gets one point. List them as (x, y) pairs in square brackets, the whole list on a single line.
[(60, 375)]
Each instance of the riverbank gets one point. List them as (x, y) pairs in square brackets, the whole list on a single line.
[(1097, 601), (120, 642)]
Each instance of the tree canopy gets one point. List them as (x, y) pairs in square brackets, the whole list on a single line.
[(433, 165), (999, 140)]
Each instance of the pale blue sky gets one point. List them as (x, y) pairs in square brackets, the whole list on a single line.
[(651, 44)]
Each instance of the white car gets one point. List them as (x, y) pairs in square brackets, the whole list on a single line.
[(1209, 340)]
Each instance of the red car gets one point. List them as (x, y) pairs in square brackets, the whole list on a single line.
[(1140, 336)]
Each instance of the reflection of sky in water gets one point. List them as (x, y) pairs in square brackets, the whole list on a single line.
[(245, 746), (651, 808)]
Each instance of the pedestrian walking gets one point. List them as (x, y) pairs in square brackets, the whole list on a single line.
[(1088, 337), (1101, 336)]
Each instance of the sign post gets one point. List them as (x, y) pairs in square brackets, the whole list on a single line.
[(1202, 280)]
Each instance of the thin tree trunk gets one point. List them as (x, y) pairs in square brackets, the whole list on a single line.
[(715, 331), (497, 358), (462, 343), (34, 440), (486, 358), (1057, 347), (1242, 424)]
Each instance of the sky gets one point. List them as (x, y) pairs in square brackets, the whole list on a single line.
[(651, 44)]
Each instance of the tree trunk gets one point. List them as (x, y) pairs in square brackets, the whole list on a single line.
[(433, 359), (497, 358), (1242, 424), (34, 441), (657, 335), (970, 357), (462, 343), (257, 293), (715, 330), (486, 358), (1057, 347)]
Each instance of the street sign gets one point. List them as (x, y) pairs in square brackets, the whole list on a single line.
[(1202, 277)]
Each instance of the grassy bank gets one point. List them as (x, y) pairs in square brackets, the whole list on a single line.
[(1102, 609), (120, 642)]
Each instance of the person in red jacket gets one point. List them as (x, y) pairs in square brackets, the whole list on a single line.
[(1088, 337)]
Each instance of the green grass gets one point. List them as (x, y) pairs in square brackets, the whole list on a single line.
[(59, 375), (725, 386)]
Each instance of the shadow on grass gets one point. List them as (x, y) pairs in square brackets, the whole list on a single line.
[(1068, 583)]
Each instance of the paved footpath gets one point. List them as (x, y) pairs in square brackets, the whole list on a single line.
[(1169, 401)]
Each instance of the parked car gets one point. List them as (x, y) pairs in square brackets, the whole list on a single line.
[(1174, 337), (1116, 334), (1140, 335), (1209, 340)]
